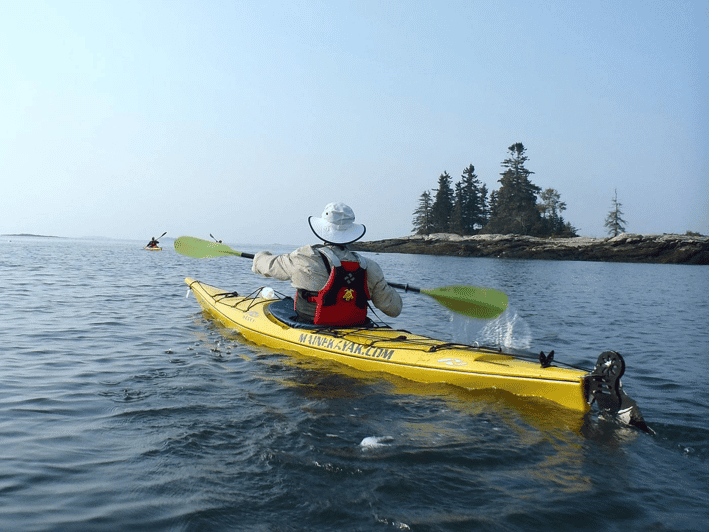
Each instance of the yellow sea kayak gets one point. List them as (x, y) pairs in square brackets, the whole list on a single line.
[(152, 249), (271, 322)]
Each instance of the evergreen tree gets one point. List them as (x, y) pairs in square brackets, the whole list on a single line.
[(472, 202), (442, 208), (484, 207), (569, 230), (551, 208), (422, 215), (492, 208), (457, 224), (614, 221), (515, 208)]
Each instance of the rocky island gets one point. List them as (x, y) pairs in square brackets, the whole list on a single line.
[(626, 247)]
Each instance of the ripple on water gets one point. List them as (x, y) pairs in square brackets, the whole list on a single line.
[(122, 407)]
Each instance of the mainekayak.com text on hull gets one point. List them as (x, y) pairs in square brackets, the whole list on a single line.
[(345, 346)]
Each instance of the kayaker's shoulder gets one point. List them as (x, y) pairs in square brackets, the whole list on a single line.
[(308, 250)]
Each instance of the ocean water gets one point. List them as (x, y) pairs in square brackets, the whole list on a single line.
[(122, 407)]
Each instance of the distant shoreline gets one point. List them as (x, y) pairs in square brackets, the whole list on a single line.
[(29, 234)]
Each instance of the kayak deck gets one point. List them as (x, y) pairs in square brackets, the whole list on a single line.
[(414, 357)]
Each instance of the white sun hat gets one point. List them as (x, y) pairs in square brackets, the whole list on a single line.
[(336, 226)]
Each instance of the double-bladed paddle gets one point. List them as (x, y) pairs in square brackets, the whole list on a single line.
[(472, 301)]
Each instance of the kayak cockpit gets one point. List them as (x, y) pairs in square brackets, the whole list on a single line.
[(284, 311)]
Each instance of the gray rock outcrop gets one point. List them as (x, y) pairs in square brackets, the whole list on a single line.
[(626, 247)]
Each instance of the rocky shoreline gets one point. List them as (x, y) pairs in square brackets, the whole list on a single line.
[(626, 247)]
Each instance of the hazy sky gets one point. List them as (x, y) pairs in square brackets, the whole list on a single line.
[(125, 119)]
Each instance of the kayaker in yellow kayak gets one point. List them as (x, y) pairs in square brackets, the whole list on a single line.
[(333, 283), (153, 243)]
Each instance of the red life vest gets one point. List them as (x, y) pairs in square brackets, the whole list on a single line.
[(343, 300)]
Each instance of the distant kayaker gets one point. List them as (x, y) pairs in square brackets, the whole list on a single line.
[(153, 243), (333, 283)]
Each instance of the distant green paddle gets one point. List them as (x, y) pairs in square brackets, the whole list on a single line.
[(472, 301)]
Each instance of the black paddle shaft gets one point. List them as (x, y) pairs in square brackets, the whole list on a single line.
[(404, 287)]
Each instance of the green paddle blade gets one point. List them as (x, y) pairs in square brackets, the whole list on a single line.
[(473, 301), (203, 249)]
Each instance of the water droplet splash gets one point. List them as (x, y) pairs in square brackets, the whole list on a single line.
[(508, 330)]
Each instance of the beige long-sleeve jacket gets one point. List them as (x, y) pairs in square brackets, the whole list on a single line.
[(305, 269)]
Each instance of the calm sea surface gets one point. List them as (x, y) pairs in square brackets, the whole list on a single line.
[(123, 408)]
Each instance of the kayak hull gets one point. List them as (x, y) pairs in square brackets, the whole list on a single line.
[(148, 248), (397, 352)]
